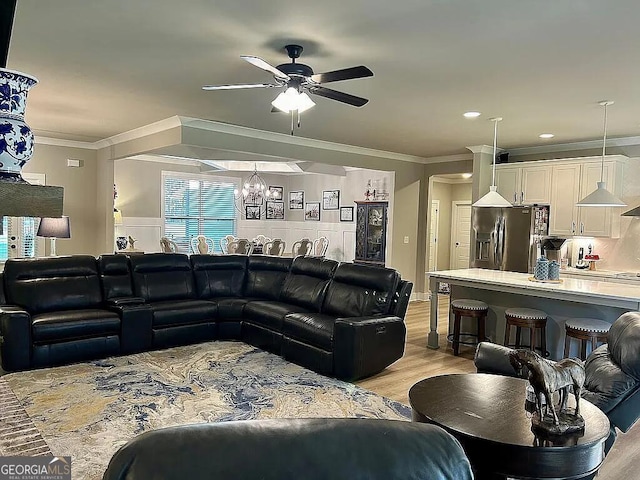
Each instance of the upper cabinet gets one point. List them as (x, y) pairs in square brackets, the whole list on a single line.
[(573, 180), (524, 185)]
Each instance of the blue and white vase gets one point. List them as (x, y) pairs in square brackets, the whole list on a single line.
[(16, 138), (554, 270), (542, 269)]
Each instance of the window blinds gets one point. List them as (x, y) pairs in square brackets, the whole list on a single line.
[(196, 206)]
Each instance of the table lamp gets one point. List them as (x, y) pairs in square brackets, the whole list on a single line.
[(54, 228)]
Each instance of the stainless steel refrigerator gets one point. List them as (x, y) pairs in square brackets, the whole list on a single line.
[(508, 238)]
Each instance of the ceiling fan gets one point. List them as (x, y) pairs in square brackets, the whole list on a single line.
[(296, 79)]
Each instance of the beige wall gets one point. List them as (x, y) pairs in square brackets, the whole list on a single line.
[(79, 193)]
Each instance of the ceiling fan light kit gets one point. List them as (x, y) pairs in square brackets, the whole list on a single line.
[(298, 80), (493, 198), (601, 197)]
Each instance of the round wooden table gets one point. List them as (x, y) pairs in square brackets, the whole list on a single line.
[(486, 413)]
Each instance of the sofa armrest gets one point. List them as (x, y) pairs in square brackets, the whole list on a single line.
[(494, 358), (15, 328), (115, 302), (136, 331), (363, 346)]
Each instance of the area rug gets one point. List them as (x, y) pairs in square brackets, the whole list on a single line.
[(89, 410)]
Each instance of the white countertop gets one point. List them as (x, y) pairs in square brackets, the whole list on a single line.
[(572, 289)]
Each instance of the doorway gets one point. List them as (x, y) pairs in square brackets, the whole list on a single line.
[(460, 234), (433, 235)]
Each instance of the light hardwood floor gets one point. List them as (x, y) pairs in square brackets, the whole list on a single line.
[(418, 362)]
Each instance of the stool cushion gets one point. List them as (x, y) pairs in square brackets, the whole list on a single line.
[(592, 325), (526, 313), (466, 304)]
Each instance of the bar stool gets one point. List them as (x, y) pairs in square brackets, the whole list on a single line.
[(585, 329), (463, 307), (529, 318)]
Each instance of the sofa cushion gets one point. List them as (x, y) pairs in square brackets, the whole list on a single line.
[(269, 314), (313, 328), (624, 343), (307, 282), (231, 308), (182, 312), (162, 276), (360, 291), (115, 276), (50, 284), (219, 275), (266, 275), (73, 324)]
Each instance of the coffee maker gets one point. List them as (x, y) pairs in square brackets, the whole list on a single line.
[(551, 248)]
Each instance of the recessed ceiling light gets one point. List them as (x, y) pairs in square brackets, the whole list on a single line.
[(471, 114), (467, 175), (546, 135)]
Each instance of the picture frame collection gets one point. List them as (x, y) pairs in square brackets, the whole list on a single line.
[(275, 205)]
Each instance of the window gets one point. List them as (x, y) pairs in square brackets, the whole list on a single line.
[(198, 205)]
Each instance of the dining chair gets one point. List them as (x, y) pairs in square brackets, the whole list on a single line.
[(261, 239), (274, 247), (320, 246), (224, 242), (201, 244), (302, 247), (241, 246), (168, 246)]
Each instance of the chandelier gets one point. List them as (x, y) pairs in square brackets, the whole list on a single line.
[(250, 200)]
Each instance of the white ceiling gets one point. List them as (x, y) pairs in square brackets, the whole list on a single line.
[(106, 67)]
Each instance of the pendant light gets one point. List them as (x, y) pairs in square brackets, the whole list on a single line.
[(601, 197), (493, 198)]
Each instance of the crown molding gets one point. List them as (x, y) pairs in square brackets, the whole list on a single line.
[(140, 132), (253, 133), (481, 149), (59, 142), (461, 157), (565, 147), (164, 159)]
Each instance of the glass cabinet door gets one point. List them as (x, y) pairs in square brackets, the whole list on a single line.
[(375, 233)]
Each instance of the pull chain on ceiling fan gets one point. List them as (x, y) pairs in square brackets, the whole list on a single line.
[(298, 80)]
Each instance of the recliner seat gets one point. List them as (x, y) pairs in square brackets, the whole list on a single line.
[(337, 319)]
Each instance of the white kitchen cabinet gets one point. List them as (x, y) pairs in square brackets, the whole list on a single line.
[(573, 180), (524, 185)]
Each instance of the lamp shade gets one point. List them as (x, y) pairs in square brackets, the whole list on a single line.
[(54, 227), (601, 197), (492, 199), (291, 99)]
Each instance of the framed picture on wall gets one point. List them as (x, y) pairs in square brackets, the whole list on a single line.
[(275, 210), (276, 192), (312, 211), (252, 212), (331, 199), (346, 214), (296, 200)]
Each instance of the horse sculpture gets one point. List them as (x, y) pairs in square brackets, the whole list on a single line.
[(547, 377)]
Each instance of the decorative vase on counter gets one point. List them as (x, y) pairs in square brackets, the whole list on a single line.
[(121, 243), (554, 270), (542, 269), (16, 138)]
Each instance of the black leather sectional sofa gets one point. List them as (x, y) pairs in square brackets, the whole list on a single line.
[(344, 320)]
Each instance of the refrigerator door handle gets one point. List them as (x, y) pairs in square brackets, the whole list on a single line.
[(503, 223)]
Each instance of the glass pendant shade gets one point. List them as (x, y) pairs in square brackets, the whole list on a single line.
[(601, 197), (493, 198), (292, 100)]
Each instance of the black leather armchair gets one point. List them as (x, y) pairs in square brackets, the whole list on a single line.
[(310, 449), (612, 372)]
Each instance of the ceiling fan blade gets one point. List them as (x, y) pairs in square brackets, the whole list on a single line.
[(239, 86), (344, 74), (260, 63), (339, 96)]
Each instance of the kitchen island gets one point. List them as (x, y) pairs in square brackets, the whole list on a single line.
[(572, 298)]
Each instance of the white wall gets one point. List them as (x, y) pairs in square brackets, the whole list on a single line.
[(139, 199)]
